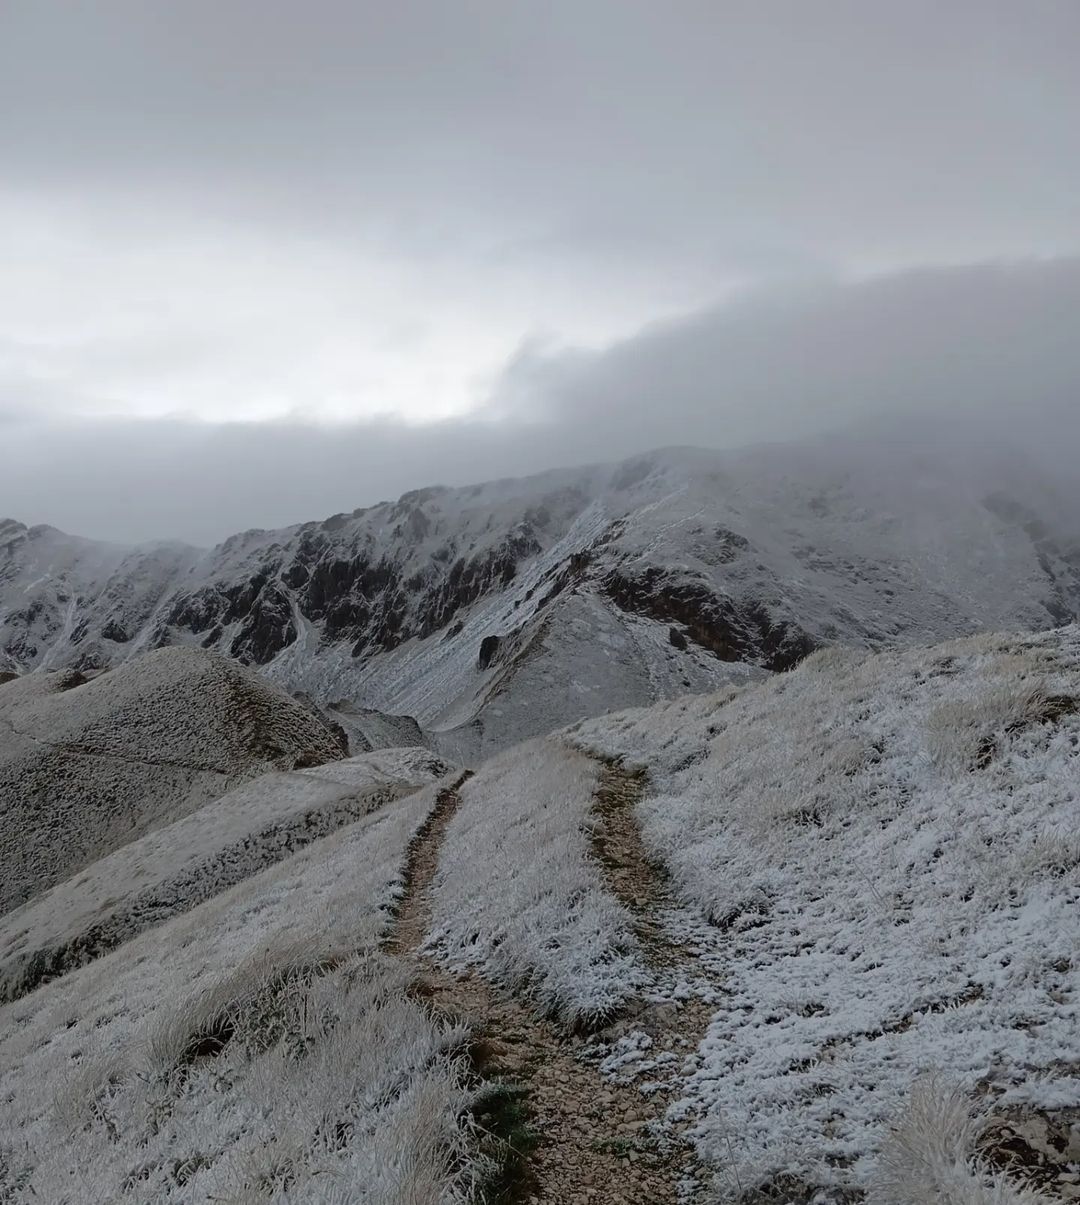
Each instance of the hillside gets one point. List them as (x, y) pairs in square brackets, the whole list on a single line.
[(177, 866), (811, 940), (89, 765), (493, 613)]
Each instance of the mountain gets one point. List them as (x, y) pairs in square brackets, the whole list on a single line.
[(88, 765), (811, 940), (496, 612)]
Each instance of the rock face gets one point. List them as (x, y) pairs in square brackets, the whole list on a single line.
[(491, 612), (88, 765)]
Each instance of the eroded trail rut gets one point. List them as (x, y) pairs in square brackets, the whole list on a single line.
[(597, 1142)]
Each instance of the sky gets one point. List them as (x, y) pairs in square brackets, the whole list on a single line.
[(262, 261)]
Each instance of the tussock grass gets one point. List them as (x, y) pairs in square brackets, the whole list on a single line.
[(929, 1155), (259, 1048), (883, 850), (518, 896)]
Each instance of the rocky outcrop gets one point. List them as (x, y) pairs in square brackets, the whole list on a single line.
[(373, 601), (751, 559), (489, 648), (731, 630)]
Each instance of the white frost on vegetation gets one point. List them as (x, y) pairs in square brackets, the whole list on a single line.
[(174, 868), (87, 766), (517, 894), (930, 1154), (272, 1053), (883, 852)]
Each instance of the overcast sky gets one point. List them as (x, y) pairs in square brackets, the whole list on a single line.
[(265, 260)]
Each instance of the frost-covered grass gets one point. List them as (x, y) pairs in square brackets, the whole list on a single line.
[(257, 1048), (87, 766), (174, 868), (517, 894), (884, 854), (930, 1155)]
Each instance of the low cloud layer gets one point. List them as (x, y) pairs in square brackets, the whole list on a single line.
[(990, 352)]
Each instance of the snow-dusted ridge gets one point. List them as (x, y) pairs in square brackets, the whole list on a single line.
[(87, 766), (830, 934), (880, 864), (273, 1055), (496, 612), (873, 880), (176, 867)]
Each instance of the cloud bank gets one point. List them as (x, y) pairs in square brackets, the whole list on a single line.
[(988, 352)]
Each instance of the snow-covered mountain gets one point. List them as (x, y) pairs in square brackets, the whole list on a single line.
[(496, 612)]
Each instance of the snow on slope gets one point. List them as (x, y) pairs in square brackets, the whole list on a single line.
[(176, 867), (883, 858), (86, 766), (272, 1055), (454, 605), (59, 592)]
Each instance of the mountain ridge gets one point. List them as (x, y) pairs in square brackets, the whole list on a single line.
[(674, 571)]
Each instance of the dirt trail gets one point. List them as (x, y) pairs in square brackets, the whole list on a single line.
[(595, 1144)]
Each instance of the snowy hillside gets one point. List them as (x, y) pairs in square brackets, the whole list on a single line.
[(811, 940), (276, 1047), (87, 766), (877, 871), (177, 866), (492, 613)]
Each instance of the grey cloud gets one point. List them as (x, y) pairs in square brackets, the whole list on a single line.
[(983, 339), (974, 354), (790, 130), (348, 207)]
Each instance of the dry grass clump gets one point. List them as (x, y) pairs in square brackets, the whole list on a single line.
[(929, 1155)]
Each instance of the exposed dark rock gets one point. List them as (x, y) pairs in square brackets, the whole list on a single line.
[(113, 631), (352, 594), (489, 648), (732, 630), (677, 639)]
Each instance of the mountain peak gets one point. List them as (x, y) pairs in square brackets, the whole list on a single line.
[(602, 586)]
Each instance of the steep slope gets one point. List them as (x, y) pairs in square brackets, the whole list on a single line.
[(880, 869), (812, 940), (177, 866), (62, 593), (275, 1054), (493, 612), (86, 766)]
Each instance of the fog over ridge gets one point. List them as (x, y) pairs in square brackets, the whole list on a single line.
[(987, 351), (264, 261)]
